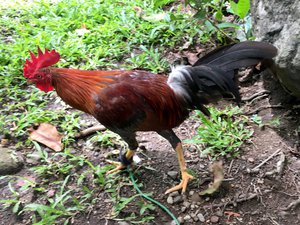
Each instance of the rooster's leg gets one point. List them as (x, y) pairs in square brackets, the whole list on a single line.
[(125, 160), (185, 177), (176, 144)]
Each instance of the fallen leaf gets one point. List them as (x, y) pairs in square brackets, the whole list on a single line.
[(217, 169), (192, 57), (48, 135)]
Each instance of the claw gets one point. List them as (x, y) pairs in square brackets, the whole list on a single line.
[(119, 166), (183, 184)]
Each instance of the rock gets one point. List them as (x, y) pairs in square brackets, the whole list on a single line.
[(180, 219), (177, 199), (187, 218), (280, 25), (250, 159), (186, 204), (170, 200), (10, 161), (173, 194), (201, 217), (195, 197), (219, 213), (173, 174), (214, 219)]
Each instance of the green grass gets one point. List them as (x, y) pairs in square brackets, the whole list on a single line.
[(117, 37), (223, 133), (105, 34)]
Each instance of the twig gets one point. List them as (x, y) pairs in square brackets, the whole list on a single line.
[(233, 202), (255, 169), (262, 108), (90, 130), (292, 205), (230, 166), (279, 166), (246, 99)]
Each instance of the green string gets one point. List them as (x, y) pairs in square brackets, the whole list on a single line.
[(151, 199)]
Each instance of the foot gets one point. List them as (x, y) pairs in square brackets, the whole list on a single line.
[(183, 184), (119, 166)]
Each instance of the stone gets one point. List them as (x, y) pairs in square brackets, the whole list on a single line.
[(10, 161), (187, 218), (173, 194), (195, 197), (177, 199), (170, 200), (186, 204), (201, 217), (180, 219), (173, 174), (214, 219), (278, 22)]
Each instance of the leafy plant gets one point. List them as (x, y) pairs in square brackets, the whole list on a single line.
[(223, 132), (214, 12)]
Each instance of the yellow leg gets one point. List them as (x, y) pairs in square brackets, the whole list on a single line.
[(119, 166), (184, 174)]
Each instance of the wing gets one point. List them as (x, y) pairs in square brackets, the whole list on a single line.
[(139, 101)]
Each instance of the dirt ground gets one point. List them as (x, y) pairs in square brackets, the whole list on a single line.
[(266, 195)]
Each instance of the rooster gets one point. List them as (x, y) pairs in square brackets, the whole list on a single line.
[(129, 101)]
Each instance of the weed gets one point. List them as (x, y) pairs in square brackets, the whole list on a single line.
[(223, 132)]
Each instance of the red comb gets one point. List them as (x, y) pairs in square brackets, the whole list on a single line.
[(40, 61)]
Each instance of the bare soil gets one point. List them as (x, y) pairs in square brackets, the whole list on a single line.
[(268, 195)]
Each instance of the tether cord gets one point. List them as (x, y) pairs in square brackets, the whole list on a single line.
[(151, 199)]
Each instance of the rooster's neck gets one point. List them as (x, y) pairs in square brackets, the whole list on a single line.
[(80, 88)]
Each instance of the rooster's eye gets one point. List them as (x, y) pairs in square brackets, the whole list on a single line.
[(38, 76)]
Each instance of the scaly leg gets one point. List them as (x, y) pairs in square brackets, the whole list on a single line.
[(121, 165), (184, 174)]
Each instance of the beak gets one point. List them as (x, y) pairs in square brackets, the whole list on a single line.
[(29, 82)]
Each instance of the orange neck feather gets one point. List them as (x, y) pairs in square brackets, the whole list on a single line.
[(80, 88)]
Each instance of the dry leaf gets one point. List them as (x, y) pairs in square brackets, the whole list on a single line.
[(217, 169), (192, 57), (47, 134)]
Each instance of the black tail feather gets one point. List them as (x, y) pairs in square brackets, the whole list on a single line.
[(212, 76), (248, 53)]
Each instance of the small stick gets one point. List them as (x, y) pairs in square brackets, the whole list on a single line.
[(255, 95), (262, 108), (255, 169), (230, 166), (292, 205), (90, 130), (232, 202)]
